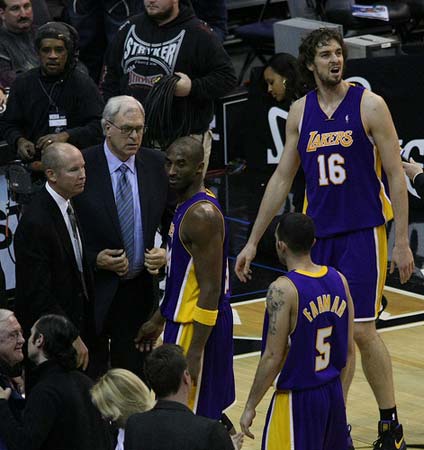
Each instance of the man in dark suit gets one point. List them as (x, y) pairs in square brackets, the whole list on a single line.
[(51, 272), (171, 425), (123, 204)]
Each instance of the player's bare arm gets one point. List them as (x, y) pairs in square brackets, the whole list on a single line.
[(348, 371), (280, 301), (379, 124), (202, 232), (276, 191)]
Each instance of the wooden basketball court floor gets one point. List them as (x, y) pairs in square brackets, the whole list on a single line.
[(403, 333)]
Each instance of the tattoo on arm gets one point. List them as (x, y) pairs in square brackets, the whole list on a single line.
[(274, 302)]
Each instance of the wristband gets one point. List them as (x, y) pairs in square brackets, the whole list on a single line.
[(205, 316)]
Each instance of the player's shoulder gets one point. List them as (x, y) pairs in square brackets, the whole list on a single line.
[(371, 101), (204, 212), (296, 111), (298, 106), (282, 288)]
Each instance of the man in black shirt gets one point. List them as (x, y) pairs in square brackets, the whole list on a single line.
[(56, 102)]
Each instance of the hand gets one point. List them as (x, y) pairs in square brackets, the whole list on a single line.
[(237, 439), (19, 384), (194, 365), (183, 86), (5, 393), (113, 260), (25, 149), (246, 421), (45, 141), (147, 335), (403, 259), (411, 168), (154, 259), (244, 258), (82, 353)]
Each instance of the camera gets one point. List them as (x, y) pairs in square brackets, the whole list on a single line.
[(20, 184)]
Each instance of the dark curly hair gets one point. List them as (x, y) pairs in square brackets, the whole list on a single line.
[(59, 334), (309, 45)]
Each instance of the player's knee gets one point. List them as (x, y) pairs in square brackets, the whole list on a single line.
[(364, 332)]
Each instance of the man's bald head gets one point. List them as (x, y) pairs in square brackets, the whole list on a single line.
[(64, 168), (190, 147), (184, 164)]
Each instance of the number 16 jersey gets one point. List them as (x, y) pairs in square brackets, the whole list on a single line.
[(343, 171)]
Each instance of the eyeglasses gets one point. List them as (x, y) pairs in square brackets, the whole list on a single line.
[(127, 131), (14, 336)]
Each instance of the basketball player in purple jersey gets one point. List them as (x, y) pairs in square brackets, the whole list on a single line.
[(196, 310), (309, 346), (344, 138)]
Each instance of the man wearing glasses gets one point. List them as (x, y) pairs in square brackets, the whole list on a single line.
[(11, 357), (123, 205)]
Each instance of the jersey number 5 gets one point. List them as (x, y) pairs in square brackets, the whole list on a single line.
[(323, 348), (331, 169)]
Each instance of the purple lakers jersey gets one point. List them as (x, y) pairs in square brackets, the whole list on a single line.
[(343, 171), (318, 344), (182, 289)]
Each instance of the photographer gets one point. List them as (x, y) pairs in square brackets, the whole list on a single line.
[(56, 102)]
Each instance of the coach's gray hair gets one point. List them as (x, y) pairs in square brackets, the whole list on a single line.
[(4, 315), (115, 104)]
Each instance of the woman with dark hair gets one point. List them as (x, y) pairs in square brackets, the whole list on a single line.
[(282, 78), (285, 84)]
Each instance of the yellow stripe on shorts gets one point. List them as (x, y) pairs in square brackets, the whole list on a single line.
[(279, 431), (185, 335), (380, 237)]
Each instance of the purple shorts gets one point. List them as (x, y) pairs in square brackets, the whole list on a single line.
[(311, 419), (361, 257), (215, 390)]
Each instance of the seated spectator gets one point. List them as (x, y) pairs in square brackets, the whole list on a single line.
[(53, 103), (17, 52), (118, 395), (171, 425), (59, 413), (11, 356), (414, 172)]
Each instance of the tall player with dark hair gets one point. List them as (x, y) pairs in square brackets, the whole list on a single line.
[(344, 137), (309, 346)]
